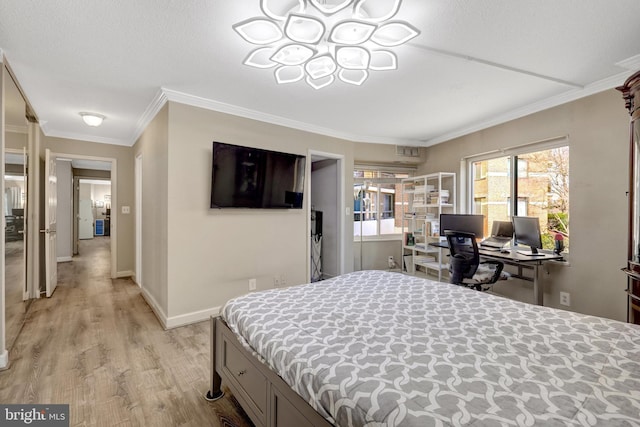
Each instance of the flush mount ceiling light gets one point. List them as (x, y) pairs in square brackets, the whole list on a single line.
[(323, 41), (92, 119)]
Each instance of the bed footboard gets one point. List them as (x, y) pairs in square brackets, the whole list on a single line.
[(215, 392), (263, 395)]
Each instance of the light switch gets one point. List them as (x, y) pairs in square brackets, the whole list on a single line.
[(126, 209)]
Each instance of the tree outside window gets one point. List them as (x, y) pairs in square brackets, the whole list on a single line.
[(541, 182)]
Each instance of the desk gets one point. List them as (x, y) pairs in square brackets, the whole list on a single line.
[(512, 257)]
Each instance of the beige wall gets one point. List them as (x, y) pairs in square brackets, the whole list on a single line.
[(364, 153), (212, 254), (598, 131), (15, 141), (124, 182), (153, 147)]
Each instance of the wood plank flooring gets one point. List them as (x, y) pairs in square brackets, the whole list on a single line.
[(14, 281), (96, 345)]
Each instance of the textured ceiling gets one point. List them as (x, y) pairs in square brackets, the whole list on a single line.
[(475, 64)]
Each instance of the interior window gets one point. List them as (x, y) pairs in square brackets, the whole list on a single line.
[(377, 202)]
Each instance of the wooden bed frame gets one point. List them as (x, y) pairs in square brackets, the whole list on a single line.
[(266, 398)]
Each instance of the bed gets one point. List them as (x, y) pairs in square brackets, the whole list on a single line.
[(375, 348)]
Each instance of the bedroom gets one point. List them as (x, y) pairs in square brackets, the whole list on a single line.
[(184, 286)]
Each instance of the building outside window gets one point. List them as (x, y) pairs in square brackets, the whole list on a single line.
[(538, 179), (377, 203)]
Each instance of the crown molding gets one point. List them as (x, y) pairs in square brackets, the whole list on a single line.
[(208, 104), (16, 129), (562, 98), (632, 63), (149, 114), (85, 137)]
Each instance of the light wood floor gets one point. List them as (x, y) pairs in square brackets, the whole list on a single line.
[(15, 307), (96, 345)]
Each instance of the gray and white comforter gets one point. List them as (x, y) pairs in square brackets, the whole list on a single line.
[(376, 348)]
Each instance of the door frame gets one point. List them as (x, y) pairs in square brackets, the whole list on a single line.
[(138, 217), (340, 195), (114, 202)]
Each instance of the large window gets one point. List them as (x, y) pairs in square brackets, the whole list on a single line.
[(536, 179), (377, 203)]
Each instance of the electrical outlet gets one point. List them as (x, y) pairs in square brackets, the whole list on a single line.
[(276, 281), (283, 280), (565, 298), (252, 284)]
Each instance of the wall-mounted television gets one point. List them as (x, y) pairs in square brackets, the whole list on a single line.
[(245, 177)]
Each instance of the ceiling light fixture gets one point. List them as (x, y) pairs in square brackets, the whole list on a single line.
[(92, 119), (322, 41)]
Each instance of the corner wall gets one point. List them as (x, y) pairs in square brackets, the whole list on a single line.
[(212, 254), (598, 132), (153, 146)]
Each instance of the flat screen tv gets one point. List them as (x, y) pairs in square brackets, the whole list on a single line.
[(245, 177)]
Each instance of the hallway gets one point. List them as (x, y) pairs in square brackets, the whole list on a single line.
[(97, 346)]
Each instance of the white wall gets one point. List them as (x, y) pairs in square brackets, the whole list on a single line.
[(64, 214)]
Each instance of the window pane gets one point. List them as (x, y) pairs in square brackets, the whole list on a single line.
[(387, 209), (377, 206), (491, 191), (364, 214), (546, 189)]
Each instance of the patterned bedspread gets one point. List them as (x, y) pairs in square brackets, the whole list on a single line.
[(377, 348)]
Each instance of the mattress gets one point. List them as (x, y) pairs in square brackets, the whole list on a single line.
[(375, 348)]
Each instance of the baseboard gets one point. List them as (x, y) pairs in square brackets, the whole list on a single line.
[(4, 359), (180, 320), (194, 317), (126, 273), (64, 259), (155, 307)]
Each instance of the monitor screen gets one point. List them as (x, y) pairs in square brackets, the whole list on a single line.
[(527, 232), (502, 229), (462, 222)]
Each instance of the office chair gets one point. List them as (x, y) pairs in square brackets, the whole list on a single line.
[(465, 267)]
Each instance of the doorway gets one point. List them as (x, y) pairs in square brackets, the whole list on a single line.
[(326, 242), (91, 194)]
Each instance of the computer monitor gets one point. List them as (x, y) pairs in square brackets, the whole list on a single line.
[(462, 222), (527, 232), (502, 229)]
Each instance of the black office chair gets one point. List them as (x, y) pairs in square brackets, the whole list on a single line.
[(465, 267)]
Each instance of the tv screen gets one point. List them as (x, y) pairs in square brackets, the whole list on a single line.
[(245, 177)]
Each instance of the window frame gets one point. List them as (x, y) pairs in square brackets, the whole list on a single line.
[(379, 183), (512, 153)]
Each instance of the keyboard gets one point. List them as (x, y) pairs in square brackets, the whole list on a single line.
[(496, 242)]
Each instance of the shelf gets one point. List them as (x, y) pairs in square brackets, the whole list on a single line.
[(426, 250), (433, 265), (419, 215)]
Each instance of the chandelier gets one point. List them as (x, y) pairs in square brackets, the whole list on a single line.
[(320, 41)]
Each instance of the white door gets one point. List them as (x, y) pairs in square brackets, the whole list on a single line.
[(50, 207), (85, 220)]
